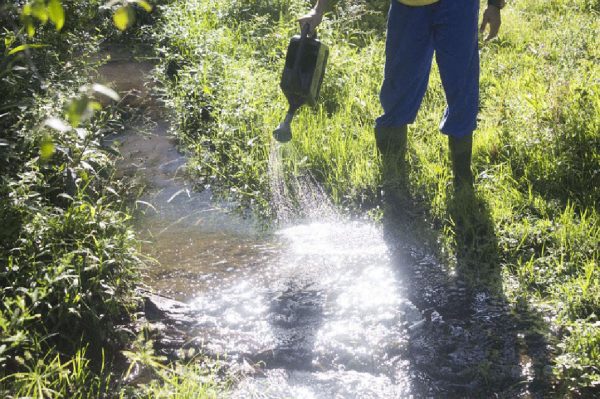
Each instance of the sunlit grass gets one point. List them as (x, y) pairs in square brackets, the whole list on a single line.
[(536, 151)]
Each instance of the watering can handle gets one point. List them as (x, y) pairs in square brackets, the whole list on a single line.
[(305, 30), (303, 38)]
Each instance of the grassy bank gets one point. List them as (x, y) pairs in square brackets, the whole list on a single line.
[(536, 151), (69, 259)]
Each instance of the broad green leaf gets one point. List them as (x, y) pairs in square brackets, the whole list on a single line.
[(46, 148), (25, 47), (77, 110), (106, 91), (26, 9), (123, 17), (144, 4), (28, 22), (40, 11), (94, 106), (56, 13), (8, 41)]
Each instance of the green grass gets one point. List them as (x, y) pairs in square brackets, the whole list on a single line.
[(536, 151), (69, 257)]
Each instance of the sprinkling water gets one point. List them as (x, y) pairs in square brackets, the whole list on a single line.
[(315, 307), (294, 197)]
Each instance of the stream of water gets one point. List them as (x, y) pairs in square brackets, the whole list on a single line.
[(316, 304)]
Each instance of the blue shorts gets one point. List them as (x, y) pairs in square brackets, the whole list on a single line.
[(448, 27)]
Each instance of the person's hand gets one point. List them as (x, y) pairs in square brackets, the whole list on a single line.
[(313, 19), (491, 17)]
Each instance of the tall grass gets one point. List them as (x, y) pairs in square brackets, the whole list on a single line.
[(536, 151)]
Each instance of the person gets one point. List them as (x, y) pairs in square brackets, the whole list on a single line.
[(417, 29)]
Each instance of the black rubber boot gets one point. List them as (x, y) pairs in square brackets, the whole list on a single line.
[(460, 155), (391, 143)]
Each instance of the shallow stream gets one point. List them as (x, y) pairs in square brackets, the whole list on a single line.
[(315, 308), (316, 305)]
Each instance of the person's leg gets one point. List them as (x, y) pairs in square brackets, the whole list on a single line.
[(460, 156), (409, 52), (457, 55)]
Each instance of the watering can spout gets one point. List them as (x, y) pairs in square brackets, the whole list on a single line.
[(283, 133)]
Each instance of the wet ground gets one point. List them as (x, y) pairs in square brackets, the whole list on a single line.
[(320, 306)]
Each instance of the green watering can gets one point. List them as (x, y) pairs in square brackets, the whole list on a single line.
[(302, 76)]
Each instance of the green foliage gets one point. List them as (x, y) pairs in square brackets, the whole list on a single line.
[(68, 257), (191, 380), (42, 11), (123, 17), (53, 377), (536, 152)]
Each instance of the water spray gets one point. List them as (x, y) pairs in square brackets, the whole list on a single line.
[(302, 76)]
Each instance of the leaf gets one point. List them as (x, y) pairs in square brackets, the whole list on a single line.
[(46, 148), (106, 91), (23, 47), (29, 27), (8, 41), (56, 14), (39, 11), (149, 205), (123, 17), (26, 9), (144, 4), (76, 111), (57, 124), (85, 165), (94, 106), (65, 196)]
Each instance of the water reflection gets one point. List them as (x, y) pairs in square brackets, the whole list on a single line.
[(321, 310), (315, 308)]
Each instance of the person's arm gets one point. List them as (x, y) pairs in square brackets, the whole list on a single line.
[(314, 16), (491, 17)]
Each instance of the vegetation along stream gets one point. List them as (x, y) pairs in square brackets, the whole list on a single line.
[(157, 242)]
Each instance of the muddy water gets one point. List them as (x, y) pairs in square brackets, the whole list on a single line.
[(318, 307), (315, 307)]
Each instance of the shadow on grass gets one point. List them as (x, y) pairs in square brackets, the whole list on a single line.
[(472, 342)]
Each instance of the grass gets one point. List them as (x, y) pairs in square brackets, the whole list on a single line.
[(69, 257), (536, 151)]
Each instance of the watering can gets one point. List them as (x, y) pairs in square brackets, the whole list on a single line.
[(302, 76)]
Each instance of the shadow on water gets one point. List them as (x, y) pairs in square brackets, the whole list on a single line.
[(473, 342), (295, 315)]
